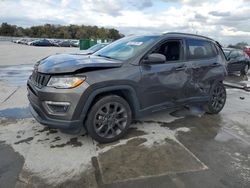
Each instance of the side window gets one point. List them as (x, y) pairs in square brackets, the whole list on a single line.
[(171, 50), (241, 53), (234, 54), (200, 49), (214, 49)]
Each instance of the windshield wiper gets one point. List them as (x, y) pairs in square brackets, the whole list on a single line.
[(108, 57)]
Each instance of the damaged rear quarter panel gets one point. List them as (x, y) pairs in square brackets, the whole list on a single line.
[(204, 73)]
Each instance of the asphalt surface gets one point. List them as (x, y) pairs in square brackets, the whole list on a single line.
[(184, 148)]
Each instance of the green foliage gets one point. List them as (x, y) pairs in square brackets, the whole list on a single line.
[(59, 31), (239, 45)]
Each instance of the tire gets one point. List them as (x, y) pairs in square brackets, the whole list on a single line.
[(217, 99), (109, 119), (244, 70)]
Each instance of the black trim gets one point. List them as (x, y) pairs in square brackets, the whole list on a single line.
[(161, 42), (96, 92), (53, 123)]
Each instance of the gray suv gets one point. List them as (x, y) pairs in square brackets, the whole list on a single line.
[(127, 79)]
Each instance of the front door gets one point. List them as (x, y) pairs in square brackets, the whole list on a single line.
[(164, 84)]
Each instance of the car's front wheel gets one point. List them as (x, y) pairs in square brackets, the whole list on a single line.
[(109, 119), (217, 99)]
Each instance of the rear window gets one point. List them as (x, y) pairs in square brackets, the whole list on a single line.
[(200, 49), (241, 53)]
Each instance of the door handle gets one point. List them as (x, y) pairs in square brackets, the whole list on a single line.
[(214, 65), (180, 68)]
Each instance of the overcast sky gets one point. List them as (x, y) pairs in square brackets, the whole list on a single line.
[(227, 21)]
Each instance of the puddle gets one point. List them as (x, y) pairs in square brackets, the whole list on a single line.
[(236, 78), (15, 113), (133, 160), (56, 139), (7, 121), (132, 132), (16, 75), (42, 140), (222, 136), (189, 111), (72, 142), (48, 130), (74, 152), (238, 81), (26, 140), (45, 129)]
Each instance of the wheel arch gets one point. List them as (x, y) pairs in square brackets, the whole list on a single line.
[(126, 92)]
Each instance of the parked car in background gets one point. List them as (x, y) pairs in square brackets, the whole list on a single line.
[(74, 43), (128, 79), (55, 42), (64, 43), (237, 60), (41, 42), (23, 41), (93, 49), (247, 50)]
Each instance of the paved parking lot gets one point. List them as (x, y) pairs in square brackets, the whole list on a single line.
[(181, 148)]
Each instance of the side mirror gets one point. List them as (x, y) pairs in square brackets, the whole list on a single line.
[(155, 58)]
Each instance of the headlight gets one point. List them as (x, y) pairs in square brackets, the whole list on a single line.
[(65, 82)]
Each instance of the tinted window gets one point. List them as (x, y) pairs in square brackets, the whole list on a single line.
[(227, 52), (234, 54), (170, 49), (200, 49), (97, 47), (241, 53)]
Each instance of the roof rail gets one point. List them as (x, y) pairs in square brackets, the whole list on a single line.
[(189, 34)]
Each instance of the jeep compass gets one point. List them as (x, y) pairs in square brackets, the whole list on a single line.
[(125, 80)]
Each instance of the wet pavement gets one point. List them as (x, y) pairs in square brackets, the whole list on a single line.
[(179, 148), (15, 75)]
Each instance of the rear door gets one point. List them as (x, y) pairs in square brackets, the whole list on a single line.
[(243, 60), (235, 61), (203, 58)]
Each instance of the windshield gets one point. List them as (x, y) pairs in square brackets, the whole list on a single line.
[(127, 47), (96, 47)]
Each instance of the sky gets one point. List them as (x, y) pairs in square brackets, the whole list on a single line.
[(227, 21)]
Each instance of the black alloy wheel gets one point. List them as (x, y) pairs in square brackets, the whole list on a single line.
[(108, 119), (217, 99)]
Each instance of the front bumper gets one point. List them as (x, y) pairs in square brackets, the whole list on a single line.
[(68, 120), (53, 123)]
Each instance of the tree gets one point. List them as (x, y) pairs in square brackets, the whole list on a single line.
[(241, 45), (59, 31), (7, 29)]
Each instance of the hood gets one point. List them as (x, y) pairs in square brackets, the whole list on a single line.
[(69, 63), (84, 52)]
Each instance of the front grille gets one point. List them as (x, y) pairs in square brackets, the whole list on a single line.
[(39, 79)]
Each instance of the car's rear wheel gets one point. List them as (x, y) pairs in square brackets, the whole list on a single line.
[(217, 99), (109, 119), (245, 70)]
